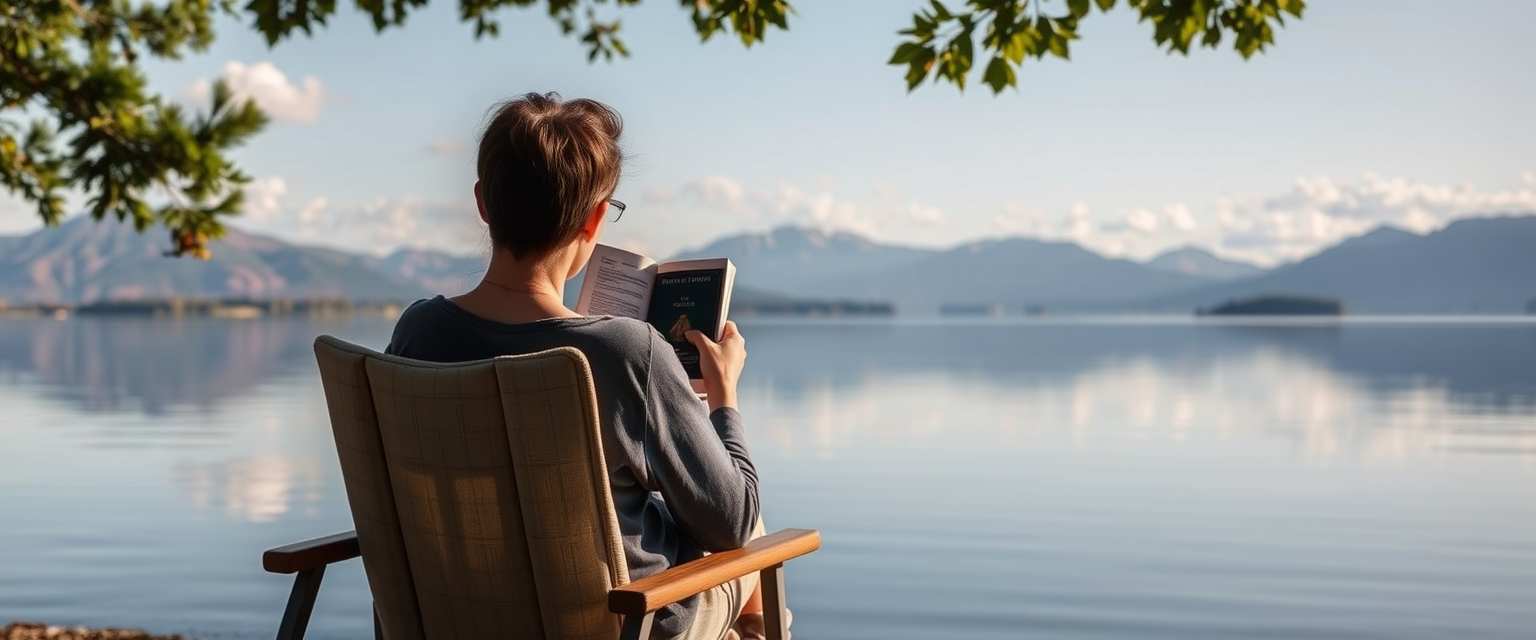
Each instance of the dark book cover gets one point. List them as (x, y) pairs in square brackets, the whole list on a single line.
[(684, 300)]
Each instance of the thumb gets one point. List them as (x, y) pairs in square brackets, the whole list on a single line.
[(696, 337)]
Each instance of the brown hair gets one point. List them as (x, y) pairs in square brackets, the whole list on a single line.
[(543, 165)]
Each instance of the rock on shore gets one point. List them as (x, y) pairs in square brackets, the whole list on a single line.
[(40, 631)]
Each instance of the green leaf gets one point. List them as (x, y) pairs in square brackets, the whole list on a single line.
[(919, 67), (1212, 38), (905, 52), (1017, 46), (940, 11), (1058, 46), (1079, 8), (999, 75)]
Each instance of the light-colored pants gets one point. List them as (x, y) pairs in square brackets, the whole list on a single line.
[(718, 607)]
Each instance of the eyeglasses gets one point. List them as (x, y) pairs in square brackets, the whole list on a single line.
[(615, 204)]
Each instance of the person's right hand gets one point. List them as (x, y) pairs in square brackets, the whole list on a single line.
[(721, 363)]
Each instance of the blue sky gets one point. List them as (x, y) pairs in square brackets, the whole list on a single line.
[(1372, 111)]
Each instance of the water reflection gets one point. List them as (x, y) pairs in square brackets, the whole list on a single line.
[(1480, 365), (1375, 392), (1381, 394), (1321, 412), (256, 489), (148, 366), (153, 367), (1153, 480)]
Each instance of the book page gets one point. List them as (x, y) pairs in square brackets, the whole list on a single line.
[(618, 283)]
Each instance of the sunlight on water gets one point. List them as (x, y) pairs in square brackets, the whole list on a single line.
[(971, 480)]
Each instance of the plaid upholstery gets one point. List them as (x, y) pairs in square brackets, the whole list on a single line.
[(479, 493)]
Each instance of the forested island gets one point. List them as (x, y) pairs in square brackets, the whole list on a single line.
[(1277, 305)]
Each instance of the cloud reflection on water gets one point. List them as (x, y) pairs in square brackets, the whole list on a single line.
[(1380, 395), (260, 488)]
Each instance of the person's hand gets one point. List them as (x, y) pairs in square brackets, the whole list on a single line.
[(721, 363)]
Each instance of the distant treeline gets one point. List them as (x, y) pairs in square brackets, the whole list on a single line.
[(1277, 305), (814, 308), (247, 308), (206, 308)]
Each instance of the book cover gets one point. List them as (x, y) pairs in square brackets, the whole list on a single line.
[(685, 300)]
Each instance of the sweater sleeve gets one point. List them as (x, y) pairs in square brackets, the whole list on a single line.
[(697, 459)]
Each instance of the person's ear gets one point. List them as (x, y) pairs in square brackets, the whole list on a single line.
[(480, 203), (595, 219)]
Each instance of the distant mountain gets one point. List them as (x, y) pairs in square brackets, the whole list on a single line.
[(1383, 236), (1194, 261), (1482, 265), (84, 261), (787, 259), (1015, 273), (435, 271)]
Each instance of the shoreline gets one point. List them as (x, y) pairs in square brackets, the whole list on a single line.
[(19, 630)]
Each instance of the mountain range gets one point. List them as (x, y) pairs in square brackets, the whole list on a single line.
[(1479, 265), (83, 261), (1484, 265), (1195, 261)]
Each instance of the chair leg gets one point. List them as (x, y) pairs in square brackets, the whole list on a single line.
[(301, 603), (774, 612), (637, 627)]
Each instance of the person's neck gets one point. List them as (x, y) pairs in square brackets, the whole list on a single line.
[(515, 292)]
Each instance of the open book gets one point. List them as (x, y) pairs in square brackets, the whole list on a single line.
[(673, 296)]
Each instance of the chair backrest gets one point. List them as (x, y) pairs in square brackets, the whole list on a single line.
[(478, 491)]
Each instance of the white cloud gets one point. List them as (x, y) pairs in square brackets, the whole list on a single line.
[(1320, 211), (1015, 220), (1312, 214), (794, 205), (16, 216), (311, 211), (925, 215), (659, 196), (1180, 217), (445, 147), (1079, 225), (269, 87), (376, 226), (264, 197), (1141, 220), (719, 192)]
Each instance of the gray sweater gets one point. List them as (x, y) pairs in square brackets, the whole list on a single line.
[(681, 478)]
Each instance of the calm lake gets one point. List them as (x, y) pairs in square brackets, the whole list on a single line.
[(1044, 478)]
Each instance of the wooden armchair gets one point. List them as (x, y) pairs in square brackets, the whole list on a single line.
[(482, 506)]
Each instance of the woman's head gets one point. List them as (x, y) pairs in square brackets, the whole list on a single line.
[(544, 167)]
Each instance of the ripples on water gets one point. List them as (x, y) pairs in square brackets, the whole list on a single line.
[(972, 480)]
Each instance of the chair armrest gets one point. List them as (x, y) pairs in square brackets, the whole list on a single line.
[(309, 554), (659, 590)]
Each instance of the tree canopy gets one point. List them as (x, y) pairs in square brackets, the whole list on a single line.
[(76, 114)]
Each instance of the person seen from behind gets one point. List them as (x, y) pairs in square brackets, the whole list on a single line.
[(682, 481)]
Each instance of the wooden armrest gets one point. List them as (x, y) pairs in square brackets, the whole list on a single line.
[(311, 553), (656, 591)]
